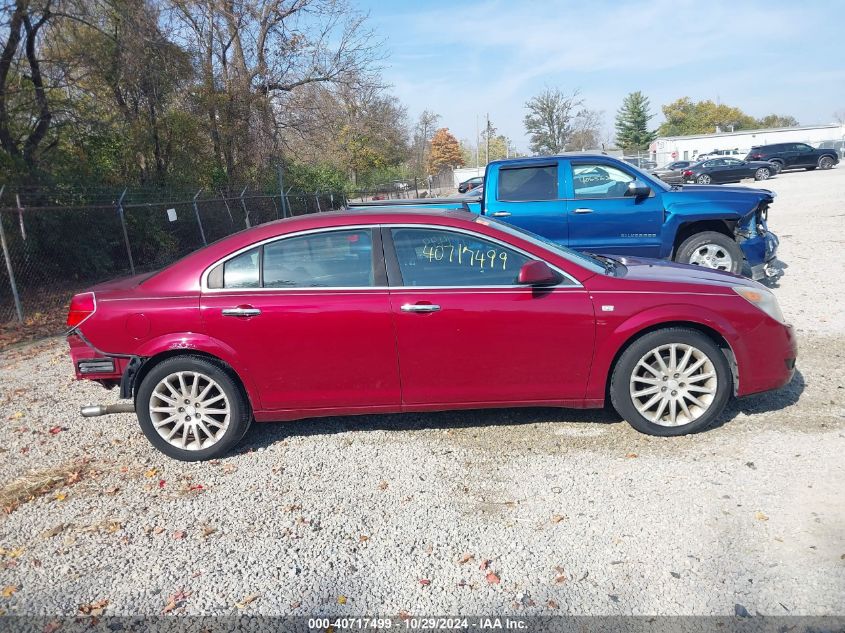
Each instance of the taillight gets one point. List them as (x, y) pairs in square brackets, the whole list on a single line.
[(81, 307), (688, 173), (756, 156)]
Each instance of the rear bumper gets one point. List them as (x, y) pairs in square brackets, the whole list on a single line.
[(91, 364), (770, 352)]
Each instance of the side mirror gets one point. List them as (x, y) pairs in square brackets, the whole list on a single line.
[(638, 189), (537, 273)]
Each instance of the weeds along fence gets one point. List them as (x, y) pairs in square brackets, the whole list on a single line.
[(55, 242)]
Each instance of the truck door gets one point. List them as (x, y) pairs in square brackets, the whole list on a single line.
[(603, 218), (529, 196)]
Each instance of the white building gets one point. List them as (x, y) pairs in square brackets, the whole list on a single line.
[(666, 149)]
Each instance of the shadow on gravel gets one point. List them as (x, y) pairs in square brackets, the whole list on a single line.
[(265, 434), (765, 402)]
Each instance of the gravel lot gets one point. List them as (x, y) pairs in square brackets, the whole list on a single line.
[(518, 511)]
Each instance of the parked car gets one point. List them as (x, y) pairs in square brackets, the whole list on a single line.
[(396, 310), (839, 146), (642, 163), (470, 184), (721, 153), (794, 156), (718, 170), (673, 173), (600, 204)]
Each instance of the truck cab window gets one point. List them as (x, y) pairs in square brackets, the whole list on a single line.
[(528, 183)]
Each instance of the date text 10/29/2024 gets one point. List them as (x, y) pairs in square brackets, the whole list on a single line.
[(419, 623)]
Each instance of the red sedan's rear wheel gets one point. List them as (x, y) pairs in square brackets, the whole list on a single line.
[(192, 409), (673, 381)]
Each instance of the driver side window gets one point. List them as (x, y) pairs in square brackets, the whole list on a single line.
[(597, 180)]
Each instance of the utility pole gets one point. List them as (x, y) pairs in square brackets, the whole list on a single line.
[(477, 146), (487, 142)]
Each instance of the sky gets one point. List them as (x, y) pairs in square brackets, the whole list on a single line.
[(464, 59)]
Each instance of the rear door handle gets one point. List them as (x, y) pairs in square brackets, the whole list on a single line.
[(241, 311), (582, 210), (419, 307), (501, 214)]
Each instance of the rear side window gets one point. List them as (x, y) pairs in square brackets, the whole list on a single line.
[(528, 183), (338, 259), (242, 271), (330, 259)]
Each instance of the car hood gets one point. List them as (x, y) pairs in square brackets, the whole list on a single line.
[(656, 270), (720, 192)]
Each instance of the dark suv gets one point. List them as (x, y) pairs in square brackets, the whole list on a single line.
[(794, 156)]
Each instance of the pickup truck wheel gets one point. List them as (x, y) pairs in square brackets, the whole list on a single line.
[(711, 250), (191, 409), (703, 179), (762, 174), (672, 381), (825, 162)]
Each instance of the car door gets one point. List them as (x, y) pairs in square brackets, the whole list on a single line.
[(735, 170), (309, 317), (603, 218), (468, 334), (804, 155), (529, 196)]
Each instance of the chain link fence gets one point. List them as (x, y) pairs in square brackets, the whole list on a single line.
[(57, 242)]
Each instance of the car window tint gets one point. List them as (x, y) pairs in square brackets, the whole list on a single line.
[(528, 183), (431, 257), (599, 181), (337, 259), (242, 271)]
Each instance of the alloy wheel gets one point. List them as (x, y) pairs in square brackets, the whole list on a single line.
[(825, 162), (712, 256), (673, 385), (704, 179), (189, 410), (762, 174)]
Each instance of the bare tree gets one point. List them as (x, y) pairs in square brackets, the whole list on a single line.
[(256, 53), (423, 133), (550, 118), (839, 116)]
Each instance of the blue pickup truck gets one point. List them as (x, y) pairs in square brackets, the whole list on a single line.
[(597, 203)]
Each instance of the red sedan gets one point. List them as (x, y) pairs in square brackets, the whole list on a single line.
[(406, 310)]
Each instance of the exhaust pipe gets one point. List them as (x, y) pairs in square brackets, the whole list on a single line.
[(93, 410)]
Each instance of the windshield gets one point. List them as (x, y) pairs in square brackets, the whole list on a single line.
[(586, 261)]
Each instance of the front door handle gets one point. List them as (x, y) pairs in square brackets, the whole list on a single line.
[(501, 214), (241, 311), (420, 307), (582, 210)]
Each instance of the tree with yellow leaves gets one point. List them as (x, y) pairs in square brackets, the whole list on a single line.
[(445, 152)]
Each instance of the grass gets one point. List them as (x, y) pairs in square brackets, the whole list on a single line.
[(37, 483)]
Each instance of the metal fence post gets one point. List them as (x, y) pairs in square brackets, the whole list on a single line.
[(20, 216), (197, 213), (15, 295), (120, 214), (228, 210), (282, 192), (246, 211), (317, 200)]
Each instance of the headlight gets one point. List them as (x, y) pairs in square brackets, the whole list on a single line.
[(761, 298)]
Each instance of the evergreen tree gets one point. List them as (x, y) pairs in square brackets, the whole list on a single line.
[(632, 123)]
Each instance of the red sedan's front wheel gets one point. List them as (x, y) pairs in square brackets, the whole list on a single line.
[(192, 409), (673, 381)]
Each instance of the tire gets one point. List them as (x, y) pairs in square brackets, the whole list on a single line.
[(704, 179), (197, 381), (825, 162), (762, 174), (711, 250), (778, 165), (697, 404)]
